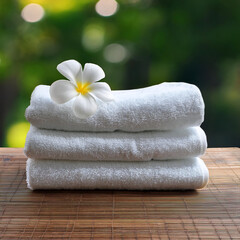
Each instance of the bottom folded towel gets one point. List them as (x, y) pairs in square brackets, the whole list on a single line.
[(154, 175)]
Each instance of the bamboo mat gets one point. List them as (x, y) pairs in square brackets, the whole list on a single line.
[(210, 213)]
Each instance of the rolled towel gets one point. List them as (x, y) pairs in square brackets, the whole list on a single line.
[(115, 146), (161, 107), (154, 175)]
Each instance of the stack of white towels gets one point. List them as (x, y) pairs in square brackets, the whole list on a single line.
[(146, 139)]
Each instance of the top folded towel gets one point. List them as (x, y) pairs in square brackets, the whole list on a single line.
[(164, 106)]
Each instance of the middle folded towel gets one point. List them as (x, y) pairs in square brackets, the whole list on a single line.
[(115, 146)]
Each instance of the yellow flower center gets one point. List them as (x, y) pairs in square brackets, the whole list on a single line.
[(83, 88)]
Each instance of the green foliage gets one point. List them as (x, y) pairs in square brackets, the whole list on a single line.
[(190, 41)]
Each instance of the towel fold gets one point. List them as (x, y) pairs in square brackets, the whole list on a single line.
[(154, 175), (115, 146), (165, 106)]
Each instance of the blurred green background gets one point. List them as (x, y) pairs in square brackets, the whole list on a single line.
[(137, 42)]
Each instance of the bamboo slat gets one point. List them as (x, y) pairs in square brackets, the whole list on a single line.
[(210, 213)]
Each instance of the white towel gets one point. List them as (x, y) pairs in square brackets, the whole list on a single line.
[(115, 146), (161, 107), (154, 175)]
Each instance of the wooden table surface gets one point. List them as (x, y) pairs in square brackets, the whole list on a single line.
[(210, 213)]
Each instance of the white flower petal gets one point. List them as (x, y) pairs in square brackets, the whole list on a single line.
[(92, 73), (84, 106), (71, 69), (62, 91), (102, 91)]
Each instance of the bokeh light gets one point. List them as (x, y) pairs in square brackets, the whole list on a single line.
[(32, 12), (106, 8), (17, 133), (57, 6), (93, 37), (115, 53)]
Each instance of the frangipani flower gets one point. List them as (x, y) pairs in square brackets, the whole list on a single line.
[(83, 85)]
